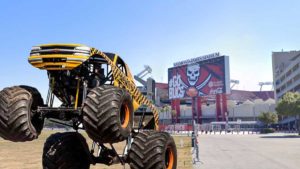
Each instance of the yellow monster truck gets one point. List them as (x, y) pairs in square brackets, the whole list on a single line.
[(98, 95)]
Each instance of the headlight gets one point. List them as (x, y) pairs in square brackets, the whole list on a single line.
[(34, 54), (85, 48), (81, 54), (36, 48)]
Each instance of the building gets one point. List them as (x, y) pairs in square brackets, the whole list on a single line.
[(286, 77), (241, 105), (286, 72)]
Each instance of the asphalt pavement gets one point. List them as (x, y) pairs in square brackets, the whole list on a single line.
[(272, 151)]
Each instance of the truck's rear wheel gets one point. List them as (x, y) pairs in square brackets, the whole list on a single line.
[(160, 151), (66, 151), (19, 120), (153, 150), (136, 153), (108, 114)]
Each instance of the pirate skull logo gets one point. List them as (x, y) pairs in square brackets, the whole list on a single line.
[(193, 73)]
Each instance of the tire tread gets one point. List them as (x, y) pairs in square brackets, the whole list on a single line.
[(100, 114), (15, 109)]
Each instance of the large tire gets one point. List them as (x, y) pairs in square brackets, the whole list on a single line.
[(136, 153), (108, 114), (153, 150), (19, 121), (66, 151)]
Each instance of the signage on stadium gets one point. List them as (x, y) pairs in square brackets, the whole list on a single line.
[(200, 78), (197, 59)]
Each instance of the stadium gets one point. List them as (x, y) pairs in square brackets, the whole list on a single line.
[(200, 90)]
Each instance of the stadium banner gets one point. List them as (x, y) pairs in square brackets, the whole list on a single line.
[(205, 77)]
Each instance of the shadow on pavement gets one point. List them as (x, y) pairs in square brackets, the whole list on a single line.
[(286, 136)]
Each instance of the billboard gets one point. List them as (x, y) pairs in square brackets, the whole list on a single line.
[(199, 77)]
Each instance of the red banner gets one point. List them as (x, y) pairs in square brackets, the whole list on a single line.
[(202, 78)]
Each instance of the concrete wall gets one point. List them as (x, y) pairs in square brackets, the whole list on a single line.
[(246, 110)]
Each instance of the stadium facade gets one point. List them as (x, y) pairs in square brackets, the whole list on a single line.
[(241, 106)]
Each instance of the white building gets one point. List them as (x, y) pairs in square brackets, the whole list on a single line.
[(286, 72)]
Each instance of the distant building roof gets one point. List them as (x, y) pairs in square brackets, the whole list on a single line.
[(242, 95), (265, 95)]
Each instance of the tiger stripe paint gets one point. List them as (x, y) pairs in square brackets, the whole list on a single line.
[(39, 59), (124, 81)]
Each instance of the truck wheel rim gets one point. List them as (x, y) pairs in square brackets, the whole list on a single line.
[(124, 115), (169, 160)]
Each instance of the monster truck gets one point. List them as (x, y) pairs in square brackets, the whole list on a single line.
[(97, 94)]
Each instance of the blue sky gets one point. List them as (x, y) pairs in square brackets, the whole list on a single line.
[(157, 33)]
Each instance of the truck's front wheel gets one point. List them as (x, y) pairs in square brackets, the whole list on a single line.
[(19, 119), (108, 114)]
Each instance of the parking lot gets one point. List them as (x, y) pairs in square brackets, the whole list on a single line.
[(273, 151)]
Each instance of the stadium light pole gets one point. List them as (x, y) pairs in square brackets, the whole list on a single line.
[(234, 82), (261, 84)]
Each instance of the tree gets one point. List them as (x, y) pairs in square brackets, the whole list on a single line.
[(164, 109), (268, 118), (167, 109), (289, 105)]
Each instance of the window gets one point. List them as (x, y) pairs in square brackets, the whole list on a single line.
[(295, 67), (297, 77), (288, 73)]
